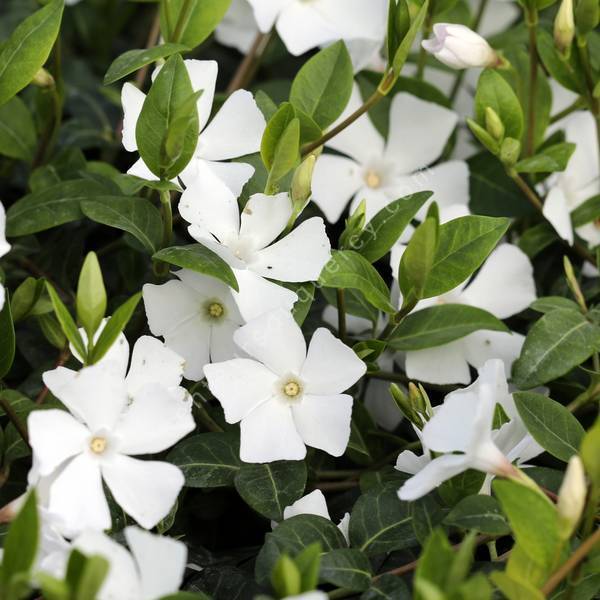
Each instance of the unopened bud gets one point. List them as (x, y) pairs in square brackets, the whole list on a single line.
[(404, 404), (571, 496), (493, 124), (510, 151), (355, 223), (564, 27), (574, 284), (43, 79), (301, 183)]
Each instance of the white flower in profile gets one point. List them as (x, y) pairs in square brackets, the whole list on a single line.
[(113, 418), (315, 504), (577, 183), (152, 569), (236, 130), (197, 316), (303, 25), (381, 171), (246, 242), (504, 286), (314, 595), (285, 397), (459, 47), (4, 247)]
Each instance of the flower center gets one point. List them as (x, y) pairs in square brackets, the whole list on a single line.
[(215, 310), (292, 389), (98, 444), (373, 179)]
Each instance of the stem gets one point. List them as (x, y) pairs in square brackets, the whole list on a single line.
[(206, 419), (62, 359), (427, 28), (341, 306), (248, 67), (575, 558), (152, 40), (182, 20), (531, 17), (14, 419), (579, 103), (167, 215), (341, 474), (336, 486)]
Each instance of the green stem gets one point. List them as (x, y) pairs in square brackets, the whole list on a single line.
[(167, 215), (182, 20), (579, 103), (531, 17), (427, 29), (249, 66), (341, 306), (14, 419)]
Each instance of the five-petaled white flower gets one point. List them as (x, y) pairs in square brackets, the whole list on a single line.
[(459, 47), (113, 417), (4, 247), (464, 424), (196, 315), (577, 183), (152, 569), (236, 130), (285, 397), (305, 25), (504, 286), (246, 242), (381, 172)]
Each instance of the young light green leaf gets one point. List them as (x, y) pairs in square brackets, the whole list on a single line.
[(275, 128), (285, 578), (548, 160), (66, 321), (18, 137), (91, 295), (398, 60), (398, 25), (7, 335), (286, 155)]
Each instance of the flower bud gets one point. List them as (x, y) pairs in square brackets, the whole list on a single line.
[(301, 183), (459, 47), (493, 124), (355, 223), (510, 151), (572, 495), (43, 79), (405, 405), (564, 27)]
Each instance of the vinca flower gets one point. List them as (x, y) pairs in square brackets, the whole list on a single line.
[(381, 172), (459, 47), (314, 595), (152, 569), (236, 130), (507, 268), (4, 247), (246, 242), (197, 316), (285, 397), (112, 418)]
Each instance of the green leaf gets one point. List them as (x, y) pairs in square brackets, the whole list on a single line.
[(552, 426), (347, 568), (561, 340), (28, 48), (515, 590), (385, 228), (275, 128), (308, 562), (565, 71), (114, 326), (549, 303), (200, 259), (7, 335), (480, 513), (91, 295), (435, 563), (387, 587), (25, 298), (397, 26), (348, 269), (380, 523), (406, 44), (169, 95), (463, 246), (590, 452), (286, 578), (201, 21), (91, 577), (137, 216), (494, 91), (66, 321), (208, 460), (549, 160), (269, 488), (18, 138), (437, 325), (587, 212), (322, 87), (132, 60), (50, 207)]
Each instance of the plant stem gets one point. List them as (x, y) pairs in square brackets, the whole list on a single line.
[(341, 306), (182, 20), (153, 38), (531, 17), (14, 419), (579, 103), (167, 215), (248, 67), (427, 28)]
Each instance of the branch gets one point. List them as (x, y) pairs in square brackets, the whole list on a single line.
[(248, 67)]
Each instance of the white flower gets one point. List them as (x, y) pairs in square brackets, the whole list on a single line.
[(315, 504), (152, 569), (236, 130), (238, 29), (459, 47), (246, 242), (314, 595), (4, 247), (285, 397), (381, 172), (113, 418), (464, 423), (572, 495), (578, 182), (303, 25), (197, 316), (504, 286)]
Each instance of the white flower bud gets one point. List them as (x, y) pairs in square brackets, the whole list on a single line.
[(564, 26), (460, 47), (572, 495)]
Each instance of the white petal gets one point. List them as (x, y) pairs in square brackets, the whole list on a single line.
[(146, 490), (160, 560), (191, 340), (441, 365), (344, 527), (269, 433), (335, 180), (331, 367), (427, 125), (267, 11), (356, 18), (299, 256), (55, 436), (274, 339), (118, 353), (95, 394), (265, 217), (235, 175), (4, 245), (504, 286), (238, 28), (236, 130), (302, 28), (203, 75), (311, 504), (381, 405), (133, 100), (556, 210), (222, 346), (484, 345), (409, 462), (258, 296), (77, 496), (240, 385), (324, 421), (436, 472)]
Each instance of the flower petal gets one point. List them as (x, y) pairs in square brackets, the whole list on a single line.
[(409, 462), (556, 210), (481, 346), (203, 75), (4, 245), (132, 99), (442, 364), (265, 217), (311, 504), (267, 11), (302, 28)]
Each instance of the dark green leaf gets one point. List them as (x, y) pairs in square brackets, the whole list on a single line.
[(18, 138), (7, 335), (587, 212), (66, 321), (347, 568), (479, 512)]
